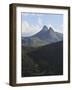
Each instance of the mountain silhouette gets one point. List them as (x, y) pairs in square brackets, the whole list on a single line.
[(45, 36)]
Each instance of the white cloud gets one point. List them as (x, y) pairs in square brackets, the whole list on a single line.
[(29, 29)]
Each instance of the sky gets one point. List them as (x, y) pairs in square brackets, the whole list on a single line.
[(32, 23)]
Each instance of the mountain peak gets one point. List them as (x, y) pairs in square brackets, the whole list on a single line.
[(45, 28), (51, 29)]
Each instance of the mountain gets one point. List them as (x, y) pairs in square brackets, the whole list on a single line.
[(44, 37)]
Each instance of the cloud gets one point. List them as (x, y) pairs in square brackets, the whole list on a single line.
[(29, 29)]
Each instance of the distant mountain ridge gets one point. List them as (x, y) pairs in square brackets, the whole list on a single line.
[(44, 37)]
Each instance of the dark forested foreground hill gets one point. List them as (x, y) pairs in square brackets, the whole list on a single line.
[(43, 61)]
